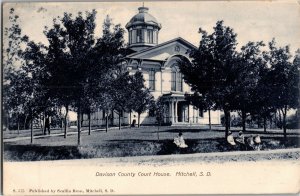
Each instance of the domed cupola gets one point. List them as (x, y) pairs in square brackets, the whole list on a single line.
[(143, 30)]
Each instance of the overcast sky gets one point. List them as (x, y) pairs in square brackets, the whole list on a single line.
[(252, 20)]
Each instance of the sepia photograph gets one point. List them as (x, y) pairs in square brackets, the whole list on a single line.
[(153, 97)]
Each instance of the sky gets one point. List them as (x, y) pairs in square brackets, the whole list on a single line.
[(251, 20)]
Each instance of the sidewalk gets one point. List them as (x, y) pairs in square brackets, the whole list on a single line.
[(70, 132)]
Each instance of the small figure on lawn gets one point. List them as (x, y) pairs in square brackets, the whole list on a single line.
[(230, 139), (133, 121), (257, 143), (179, 141), (250, 143), (241, 140)]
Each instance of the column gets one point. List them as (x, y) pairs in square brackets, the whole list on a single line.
[(170, 114), (176, 117), (172, 111), (190, 112)]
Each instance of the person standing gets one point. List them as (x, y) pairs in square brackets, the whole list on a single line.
[(47, 124)]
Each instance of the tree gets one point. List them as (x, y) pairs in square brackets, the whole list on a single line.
[(38, 98), (214, 69), (201, 102), (283, 80), (108, 54), (158, 107), (251, 68), (81, 67), (121, 93), (13, 44), (141, 96), (71, 42)]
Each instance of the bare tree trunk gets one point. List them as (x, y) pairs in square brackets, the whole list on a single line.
[(130, 119), (209, 119), (42, 123), (44, 120), (18, 124), (227, 122), (284, 111), (280, 119), (81, 121), (106, 122), (89, 116), (271, 119), (158, 130), (275, 119), (119, 120), (244, 120), (31, 130), (25, 122), (7, 122), (265, 124), (62, 124), (79, 124), (66, 121), (139, 120)]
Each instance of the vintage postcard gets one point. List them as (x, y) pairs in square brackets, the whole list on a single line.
[(153, 97)]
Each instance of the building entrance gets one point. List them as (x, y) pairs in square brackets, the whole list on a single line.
[(183, 112)]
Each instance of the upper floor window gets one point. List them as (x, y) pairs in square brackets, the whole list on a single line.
[(130, 37), (133, 35), (150, 36), (139, 36), (176, 80), (152, 79)]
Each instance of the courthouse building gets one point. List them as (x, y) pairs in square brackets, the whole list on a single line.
[(158, 63)]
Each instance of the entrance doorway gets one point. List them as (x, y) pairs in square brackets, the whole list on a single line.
[(183, 112)]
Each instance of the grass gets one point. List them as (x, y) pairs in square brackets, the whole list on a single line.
[(135, 142)]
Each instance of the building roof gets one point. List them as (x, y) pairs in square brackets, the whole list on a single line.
[(143, 18), (178, 39)]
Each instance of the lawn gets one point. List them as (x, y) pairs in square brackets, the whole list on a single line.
[(133, 142)]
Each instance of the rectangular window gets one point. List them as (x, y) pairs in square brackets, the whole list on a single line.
[(150, 36), (130, 36), (139, 36), (173, 81), (133, 36), (152, 79)]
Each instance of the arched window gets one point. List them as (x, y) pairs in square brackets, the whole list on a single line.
[(176, 79)]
